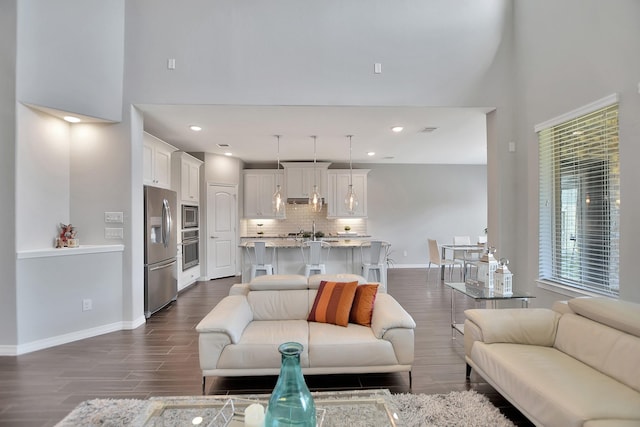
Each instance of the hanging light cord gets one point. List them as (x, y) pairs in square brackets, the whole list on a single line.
[(278, 170), (350, 164), (314, 160)]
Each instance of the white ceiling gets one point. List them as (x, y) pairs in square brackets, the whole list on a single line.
[(459, 137)]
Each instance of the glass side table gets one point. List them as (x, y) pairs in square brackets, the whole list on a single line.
[(480, 294)]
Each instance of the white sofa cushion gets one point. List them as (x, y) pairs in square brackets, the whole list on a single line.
[(354, 345), (278, 281), (258, 347), (558, 390), (279, 305), (535, 326), (314, 280), (618, 314), (608, 350)]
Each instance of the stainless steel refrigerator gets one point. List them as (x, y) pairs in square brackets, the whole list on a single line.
[(160, 249)]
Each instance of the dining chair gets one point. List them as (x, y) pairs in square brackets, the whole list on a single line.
[(259, 261), (436, 258), (376, 262), (315, 256), (459, 257)]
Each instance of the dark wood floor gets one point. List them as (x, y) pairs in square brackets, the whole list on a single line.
[(161, 359)]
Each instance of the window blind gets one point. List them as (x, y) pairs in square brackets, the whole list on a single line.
[(579, 202)]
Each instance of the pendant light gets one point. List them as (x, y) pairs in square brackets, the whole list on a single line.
[(351, 199), (315, 199), (277, 201)]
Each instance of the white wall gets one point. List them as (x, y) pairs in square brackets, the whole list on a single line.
[(8, 334), (71, 55), (42, 178), (51, 293), (570, 53), (304, 52), (409, 204)]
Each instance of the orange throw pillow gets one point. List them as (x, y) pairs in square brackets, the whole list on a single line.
[(362, 308), (333, 303)]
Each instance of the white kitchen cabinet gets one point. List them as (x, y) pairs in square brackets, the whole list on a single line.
[(186, 173), (338, 185), (156, 157), (301, 176), (259, 186)]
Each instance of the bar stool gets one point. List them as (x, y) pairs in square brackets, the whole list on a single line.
[(316, 255), (258, 264), (377, 262)]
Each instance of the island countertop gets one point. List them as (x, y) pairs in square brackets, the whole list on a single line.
[(287, 257), (353, 242)]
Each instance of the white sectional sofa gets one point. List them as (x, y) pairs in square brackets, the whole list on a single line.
[(575, 365), (241, 335)]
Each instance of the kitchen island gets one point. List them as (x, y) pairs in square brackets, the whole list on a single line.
[(286, 256)]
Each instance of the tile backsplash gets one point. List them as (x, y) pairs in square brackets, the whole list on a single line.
[(300, 217)]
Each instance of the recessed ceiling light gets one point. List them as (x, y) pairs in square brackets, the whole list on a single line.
[(397, 129), (71, 119), (195, 128), (228, 153), (371, 153)]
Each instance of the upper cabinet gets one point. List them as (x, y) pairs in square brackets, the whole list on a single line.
[(259, 187), (187, 168), (156, 161), (301, 176), (338, 183)]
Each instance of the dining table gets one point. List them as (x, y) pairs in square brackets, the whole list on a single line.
[(467, 250)]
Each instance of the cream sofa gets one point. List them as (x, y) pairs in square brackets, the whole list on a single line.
[(577, 364), (241, 335)]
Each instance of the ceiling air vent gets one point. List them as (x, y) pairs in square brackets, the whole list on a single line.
[(428, 129), (223, 145)]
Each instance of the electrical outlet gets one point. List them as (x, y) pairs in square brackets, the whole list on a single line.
[(87, 304), (406, 253)]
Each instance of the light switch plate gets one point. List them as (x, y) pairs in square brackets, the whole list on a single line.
[(114, 217), (113, 233)]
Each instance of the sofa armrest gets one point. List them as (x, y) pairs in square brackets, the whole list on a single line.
[(534, 326), (230, 316), (389, 314), (239, 289)]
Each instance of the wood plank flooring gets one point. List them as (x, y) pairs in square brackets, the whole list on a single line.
[(161, 359)]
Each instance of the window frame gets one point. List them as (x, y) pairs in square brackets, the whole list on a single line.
[(551, 263)]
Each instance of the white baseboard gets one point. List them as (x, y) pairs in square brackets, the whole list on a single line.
[(134, 323), (395, 265), (8, 350)]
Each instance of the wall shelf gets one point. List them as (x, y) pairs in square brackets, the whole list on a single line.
[(81, 250)]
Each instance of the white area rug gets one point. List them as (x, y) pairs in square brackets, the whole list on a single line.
[(458, 408), (466, 408)]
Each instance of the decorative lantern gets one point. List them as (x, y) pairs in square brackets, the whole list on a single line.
[(503, 279), (487, 265)]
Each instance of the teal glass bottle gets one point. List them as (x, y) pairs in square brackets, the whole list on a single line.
[(291, 403)]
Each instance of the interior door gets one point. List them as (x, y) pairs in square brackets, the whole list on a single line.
[(221, 231)]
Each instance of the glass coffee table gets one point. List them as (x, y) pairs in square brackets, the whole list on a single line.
[(479, 294), (369, 408)]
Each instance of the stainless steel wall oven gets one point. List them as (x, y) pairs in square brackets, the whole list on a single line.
[(190, 249)]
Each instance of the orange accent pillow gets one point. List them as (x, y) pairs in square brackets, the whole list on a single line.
[(362, 308), (333, 303)]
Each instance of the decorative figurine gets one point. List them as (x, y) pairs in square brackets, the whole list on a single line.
[(67, 237)]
